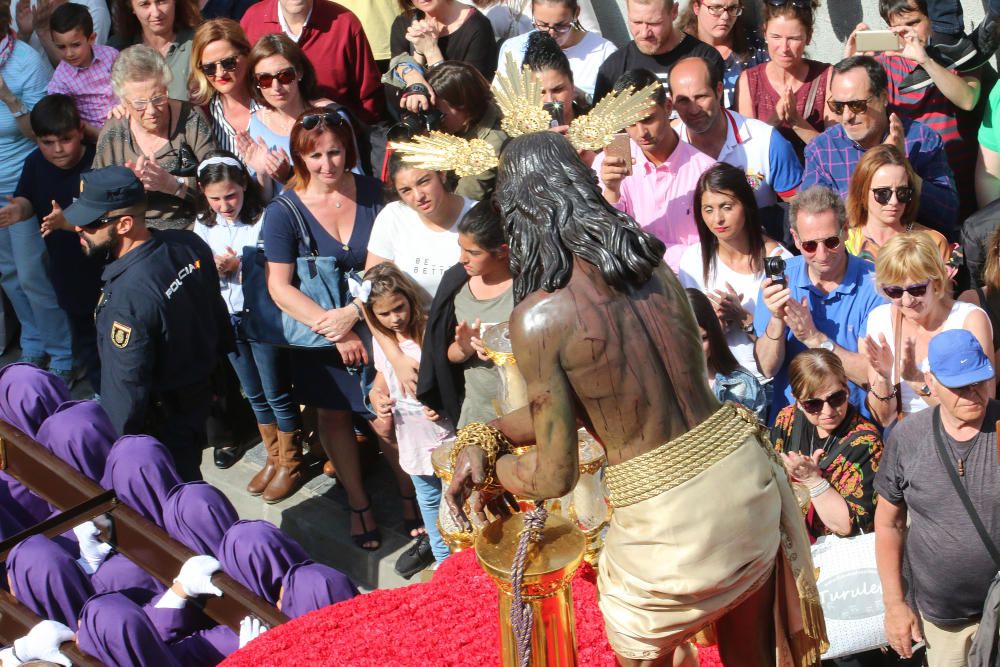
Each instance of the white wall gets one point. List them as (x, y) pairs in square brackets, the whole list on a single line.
[(834, 22)]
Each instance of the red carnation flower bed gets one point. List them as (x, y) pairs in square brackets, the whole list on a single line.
[(450, 621)]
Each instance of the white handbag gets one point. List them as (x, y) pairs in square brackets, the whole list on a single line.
[(851, 594)]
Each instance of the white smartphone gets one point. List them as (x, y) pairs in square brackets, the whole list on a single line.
[(876, 40), (621, 147)]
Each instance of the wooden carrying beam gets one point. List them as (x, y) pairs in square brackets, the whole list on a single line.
[(134, 536), (16, 621)]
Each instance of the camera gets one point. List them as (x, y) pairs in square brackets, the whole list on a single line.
[(557, 113), (411, 124), (774, 268)]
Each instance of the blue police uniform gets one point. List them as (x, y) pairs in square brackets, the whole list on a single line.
[(161, 328)]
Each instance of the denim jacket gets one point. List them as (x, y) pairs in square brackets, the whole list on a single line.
[(743, 388)]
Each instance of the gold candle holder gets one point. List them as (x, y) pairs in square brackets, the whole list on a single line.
[(546, 586), (452, 534)]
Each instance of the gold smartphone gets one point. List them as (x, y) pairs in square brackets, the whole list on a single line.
[(620, 146), (876, 40)]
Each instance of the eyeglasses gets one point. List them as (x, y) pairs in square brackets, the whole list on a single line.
[(312, 120), (857, 107), (140, 105), (896, 292), (228, 65), (102, 222), (800, 4), (814, 406), (559, 28), (830, 242), (904, 195), (284, 77), (719, 10), (967, 387)]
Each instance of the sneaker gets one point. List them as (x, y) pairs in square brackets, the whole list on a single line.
[(69, 377), (416, 558), (38, 362), (958, 53)]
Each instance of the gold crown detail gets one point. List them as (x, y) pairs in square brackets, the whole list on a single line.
[(438, 151)]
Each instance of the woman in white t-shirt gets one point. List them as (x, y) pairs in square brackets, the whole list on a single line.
[(910, 272), (560, 18), (728, 264)]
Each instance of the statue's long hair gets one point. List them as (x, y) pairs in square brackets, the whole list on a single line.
[(554, 210)]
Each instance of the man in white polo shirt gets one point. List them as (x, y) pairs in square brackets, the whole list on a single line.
[(771, 165)]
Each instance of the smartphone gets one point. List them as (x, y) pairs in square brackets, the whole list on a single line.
[(620, 146), (876, 40), (557, 113)]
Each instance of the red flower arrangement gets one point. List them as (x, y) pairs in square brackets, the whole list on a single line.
[(450, 621)]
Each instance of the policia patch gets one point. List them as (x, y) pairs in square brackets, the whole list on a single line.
[(120, 334)]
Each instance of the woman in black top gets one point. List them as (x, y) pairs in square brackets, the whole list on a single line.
[(433, 31)]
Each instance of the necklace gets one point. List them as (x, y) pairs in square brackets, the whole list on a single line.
[(960, 460), (826, 442)]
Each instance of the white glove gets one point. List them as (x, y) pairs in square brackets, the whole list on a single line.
[(195, 576), (42, 643), (92, 550), (250, 628)]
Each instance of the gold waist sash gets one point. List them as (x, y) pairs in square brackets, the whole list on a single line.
[(675, 462)]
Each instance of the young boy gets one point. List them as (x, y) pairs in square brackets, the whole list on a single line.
[(84, 70), (49, 183)]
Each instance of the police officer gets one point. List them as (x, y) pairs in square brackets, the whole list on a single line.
[(161, 322)]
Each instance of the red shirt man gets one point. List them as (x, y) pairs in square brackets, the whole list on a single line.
[(333, 40)]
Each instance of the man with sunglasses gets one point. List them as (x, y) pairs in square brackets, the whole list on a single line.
[(161, 322), (858, 96), (928, 457), (656, 45), (823, 301)]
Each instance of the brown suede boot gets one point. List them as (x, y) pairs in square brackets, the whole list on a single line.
[(269, 435), (288, 477)]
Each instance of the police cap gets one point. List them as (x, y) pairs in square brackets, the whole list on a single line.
[(103, 190)]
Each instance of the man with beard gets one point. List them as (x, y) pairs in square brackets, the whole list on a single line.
[(161, 322), (705, 529)]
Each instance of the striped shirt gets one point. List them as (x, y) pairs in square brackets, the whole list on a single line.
[(929, 106), (90, 87), (225, 133)]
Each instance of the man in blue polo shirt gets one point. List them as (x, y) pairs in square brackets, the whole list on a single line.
[(824, 302)]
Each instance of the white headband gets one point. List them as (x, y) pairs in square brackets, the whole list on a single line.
[(218, 160)]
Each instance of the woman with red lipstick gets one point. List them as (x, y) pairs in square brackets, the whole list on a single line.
[(910, 272), (883, 201), (789, 92), (728, 264), (220, 78), (723, 24)]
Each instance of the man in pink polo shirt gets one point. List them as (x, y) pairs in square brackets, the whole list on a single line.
[(659, 192)]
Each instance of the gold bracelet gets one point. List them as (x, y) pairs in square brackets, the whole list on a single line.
[(489, 439)]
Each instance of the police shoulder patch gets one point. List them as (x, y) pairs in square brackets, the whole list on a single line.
[(120, 334)]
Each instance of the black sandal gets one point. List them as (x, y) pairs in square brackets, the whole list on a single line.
[(374, 535), (410, 525)]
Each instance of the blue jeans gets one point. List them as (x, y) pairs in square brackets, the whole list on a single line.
[(947, 17), (428, 488), (264, 375), (24, 276)]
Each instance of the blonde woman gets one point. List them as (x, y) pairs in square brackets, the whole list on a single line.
[(909, 271), (220, 79)]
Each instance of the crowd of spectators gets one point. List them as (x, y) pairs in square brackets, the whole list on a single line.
[(811, 209)]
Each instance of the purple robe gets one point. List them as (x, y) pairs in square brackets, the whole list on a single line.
[(118, 574), (257, 554), (141, 472), (47, 580), (197, 515), (117, 632), (28, 395), (207, 647), (81, 434), (311, 586)]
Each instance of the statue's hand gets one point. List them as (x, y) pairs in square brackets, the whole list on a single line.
[(470, 470)]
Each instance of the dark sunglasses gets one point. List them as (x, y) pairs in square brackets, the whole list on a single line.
[(799, 4), (284, 77), (856, 106), (102, 222), (311, 120), (831, 243), (896, 292), (814, 406), (228, 65), (904, 195)]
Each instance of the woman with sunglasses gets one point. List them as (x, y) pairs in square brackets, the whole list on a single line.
[(161, 139), (882, 201), (283, 86), (789, 91), (586, 51), (723, 24), (828, 448), (910, 272), (220, 78), (164, 25), (339, 208)]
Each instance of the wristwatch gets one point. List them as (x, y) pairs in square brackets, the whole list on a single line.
[(827, 345), (924, 391)]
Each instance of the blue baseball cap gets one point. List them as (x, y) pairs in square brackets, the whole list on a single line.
[(103, 190), (957, 359)]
